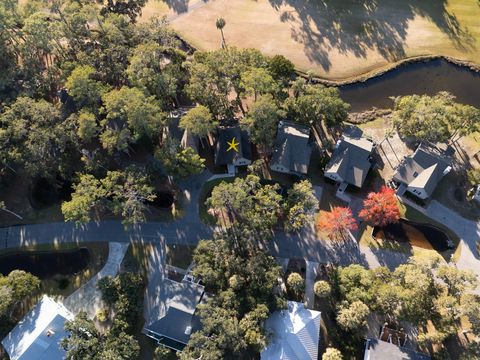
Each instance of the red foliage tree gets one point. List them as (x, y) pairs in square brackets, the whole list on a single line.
[(380, 208), (337, 222)]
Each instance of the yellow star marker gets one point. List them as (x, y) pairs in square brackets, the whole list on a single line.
[(233, 145)]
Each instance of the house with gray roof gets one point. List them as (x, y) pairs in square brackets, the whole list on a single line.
[(293, 150), (295, 333), (351, 161), (420, 173), (380, 350), (39, 334), (173, 322), (233, 148)]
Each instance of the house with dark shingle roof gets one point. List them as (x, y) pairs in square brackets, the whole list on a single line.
[(175, 319), (380, 350), (292, 150), (351, 161), (420, 173), (233, 156)]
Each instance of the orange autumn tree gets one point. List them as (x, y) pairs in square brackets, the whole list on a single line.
[(337, 223), (380, 208)]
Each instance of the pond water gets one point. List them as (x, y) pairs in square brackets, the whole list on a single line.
[(46, 264), (415, 78), (164, 199), (399, 232)]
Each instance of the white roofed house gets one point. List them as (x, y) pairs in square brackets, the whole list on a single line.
[(39, 334), (294, 334), (292, 151)]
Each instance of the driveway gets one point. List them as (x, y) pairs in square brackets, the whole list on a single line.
[(467, 230)]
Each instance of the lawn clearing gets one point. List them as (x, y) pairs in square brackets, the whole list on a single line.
[(337, 39)]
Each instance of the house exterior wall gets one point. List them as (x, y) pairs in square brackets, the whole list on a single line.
[(418, 192), (242, 162), (280, 168), (334, 177)]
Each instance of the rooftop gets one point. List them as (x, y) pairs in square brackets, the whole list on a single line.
[(292, 149), (224, 156), (38, 335), (178, 320), (381, 350), (351, 159), (424, 169), (295, 334)]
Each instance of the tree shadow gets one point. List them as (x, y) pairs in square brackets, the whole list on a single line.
[(178, 6), (359, 26)]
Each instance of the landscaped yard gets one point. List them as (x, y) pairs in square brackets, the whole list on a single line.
[(336, 39)]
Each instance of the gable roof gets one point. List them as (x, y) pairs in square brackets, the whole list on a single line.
[(179, 320), (351, 160), (224, 157), (292, 149), (295, 334), (424, 170), (29, 339), (381, 350)]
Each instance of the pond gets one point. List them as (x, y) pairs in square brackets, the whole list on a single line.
[(414, 78), (402, 231), (46, 264), (164, 199)]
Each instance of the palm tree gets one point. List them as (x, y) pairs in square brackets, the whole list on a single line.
[(220, 23)]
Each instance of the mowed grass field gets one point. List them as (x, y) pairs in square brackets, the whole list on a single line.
[(336, 39)]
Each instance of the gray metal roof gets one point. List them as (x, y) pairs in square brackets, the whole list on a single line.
[(181, 300), (351, 160), (38, 335), (224, 157), (381, 350), (292, 149), (424, 170), (295, 333)]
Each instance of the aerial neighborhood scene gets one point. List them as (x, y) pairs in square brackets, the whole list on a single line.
[(239, 179)]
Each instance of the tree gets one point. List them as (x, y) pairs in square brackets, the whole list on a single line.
[(296, 283), (83, 341), (322, 289), (163, 353), (336, 223), (220, 24), (130, 8), (262, 122), (380, 208), (315, 104), (281, 69), (249, 204), (157, 70), (86, 125), (425, 117), (457, 281), (84, 89), (257, 81), (198, 121), (355, 283), (301, 205), (352, 317), (178, 161), (87, 194), (125, 193), (34, 137), (473, 176), (130, 107), (332, 354)]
